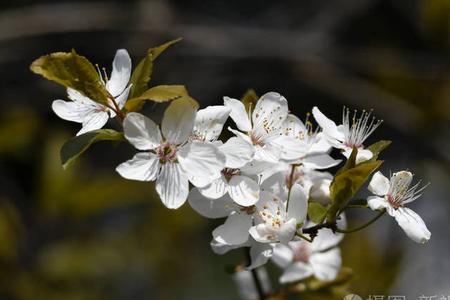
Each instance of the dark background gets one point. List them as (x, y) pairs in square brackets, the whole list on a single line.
[(85, 233)]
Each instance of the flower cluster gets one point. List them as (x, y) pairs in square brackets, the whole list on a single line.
[(269, 180)]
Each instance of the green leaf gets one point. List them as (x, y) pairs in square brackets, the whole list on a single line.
[(73, 71), (74, 147), (316, 212), (377, 147), (347, 183), (160, 93), (143, 72), (249, 99)]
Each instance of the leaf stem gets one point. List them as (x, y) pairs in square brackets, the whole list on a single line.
[(290, 184), (363, 225)]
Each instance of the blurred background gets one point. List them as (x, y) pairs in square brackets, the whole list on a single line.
[(85, 233)]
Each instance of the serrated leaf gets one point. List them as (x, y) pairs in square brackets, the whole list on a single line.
[(377, 147), (160, 93), (347, 183), (316, 212), (143, 72), (249, 99), (74, 147), (72, 71)]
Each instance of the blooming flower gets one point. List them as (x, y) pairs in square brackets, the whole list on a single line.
[(392, 195), (311, 147), (350, 134), (93, 115), (277, 220), (301, 259), (169, 158), (264, 126)]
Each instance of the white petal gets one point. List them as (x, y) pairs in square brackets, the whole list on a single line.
[(243, 190), (287, 231), (283, 255), (320, 161), (172, 185), (120, 75), (259, 254), (298, 204), (141, 132), (320, 191), (216, 189), (241, 135), (276, 185), (235, 229), (211, 208), (290, 147), (269, 114), (237, 152), (256, 167), (263, 233), (377, 203), (269, 153), (296, 272), (222, 248), (209, 122), (122, 98), (76, 96), (401, 179), (71, 110), (327, 125), (326, 240), (201, 159), (178, 121), (238, 113), (326, 265), (363, 155), (143, 166), (293, 127), (94, 121), (413, 225), (379, 184)]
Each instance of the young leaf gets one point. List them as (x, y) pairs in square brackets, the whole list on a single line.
[(316, 212), (346, 184), (143, 72), (377, 147), (249, 99), (73, 71), (160, 93), (74, 147)]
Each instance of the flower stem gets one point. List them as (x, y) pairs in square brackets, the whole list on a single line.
[(255, 276), (290, 184), (363, 225)]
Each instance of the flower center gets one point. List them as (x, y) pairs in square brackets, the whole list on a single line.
[(272, 214), (166, 153), (395, 202), (256, 140), (228, 173), (301, 253), (358, 128)]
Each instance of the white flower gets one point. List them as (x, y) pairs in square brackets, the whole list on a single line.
[(277, 220), (91, 114), (301, 259), (169, 158), (352, 133), (309, 147), (392, 195), (265, 124), (242, 188)]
